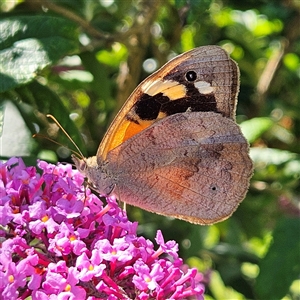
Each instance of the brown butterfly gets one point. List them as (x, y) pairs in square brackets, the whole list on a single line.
[(174, 148)]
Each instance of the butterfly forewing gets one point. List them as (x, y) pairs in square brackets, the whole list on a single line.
[(203, 79)]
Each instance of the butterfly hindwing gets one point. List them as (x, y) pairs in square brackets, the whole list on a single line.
[(199, 173)]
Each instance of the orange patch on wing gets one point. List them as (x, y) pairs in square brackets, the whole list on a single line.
[(134, 128), (126, 130), (175, 92), (172, 89)]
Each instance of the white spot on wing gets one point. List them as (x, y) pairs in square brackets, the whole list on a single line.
[(204, 87)]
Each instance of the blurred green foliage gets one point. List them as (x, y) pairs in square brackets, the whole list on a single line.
[(79, 60)]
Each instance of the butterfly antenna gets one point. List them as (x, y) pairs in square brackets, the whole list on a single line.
[(65, 132), (38, 135)]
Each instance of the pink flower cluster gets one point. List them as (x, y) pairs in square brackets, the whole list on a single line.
[(59, 241)]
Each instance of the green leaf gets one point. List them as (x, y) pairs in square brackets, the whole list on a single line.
[(114, 57), (254, 128), (269, 156), (15, 139), (47, 102), (2, 111), (220, 291), (281, 265), (30, 43), (291, 61)]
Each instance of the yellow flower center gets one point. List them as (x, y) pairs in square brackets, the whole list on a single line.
[(72, 238), (91, 268), (45, 218)]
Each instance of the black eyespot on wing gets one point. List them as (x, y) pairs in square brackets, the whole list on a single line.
[(191, 76), (214, 188)]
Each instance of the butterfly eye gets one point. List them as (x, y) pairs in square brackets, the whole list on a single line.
[(191, 76)]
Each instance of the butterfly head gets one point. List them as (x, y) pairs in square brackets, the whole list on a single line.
[(96, 173)]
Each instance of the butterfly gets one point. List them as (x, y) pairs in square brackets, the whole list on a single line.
[(175, 148)]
